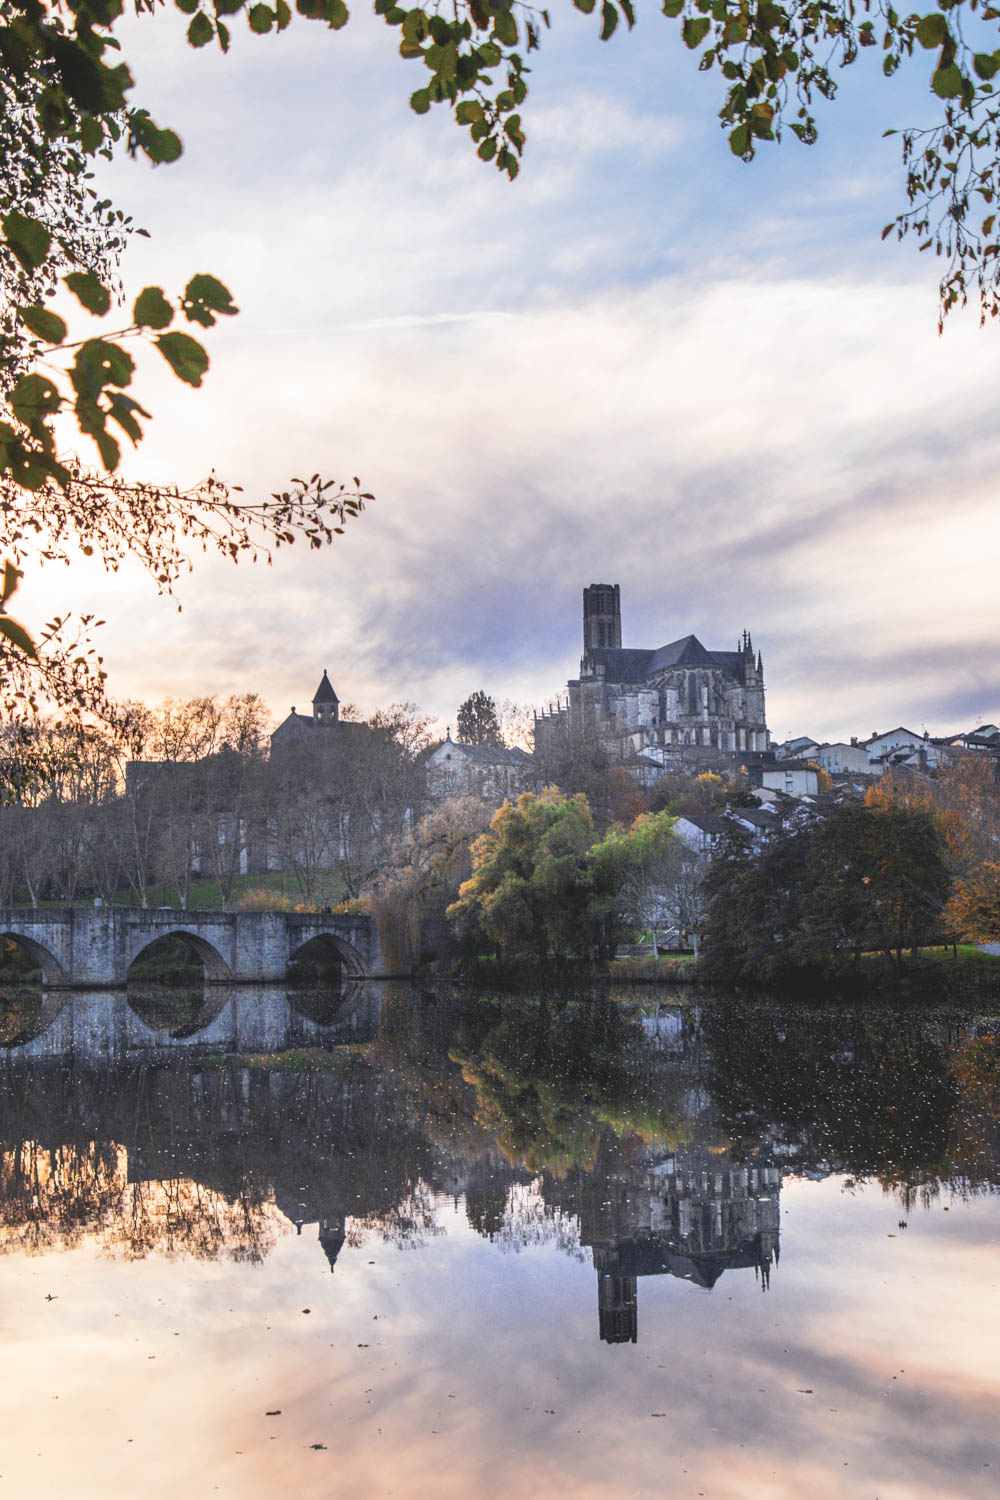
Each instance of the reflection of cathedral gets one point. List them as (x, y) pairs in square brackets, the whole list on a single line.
[(693, 1221)]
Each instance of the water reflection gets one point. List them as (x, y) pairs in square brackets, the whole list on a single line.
[(108, 1027), (209, 1123)]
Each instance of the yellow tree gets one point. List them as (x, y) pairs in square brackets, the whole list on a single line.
[(974, 909)]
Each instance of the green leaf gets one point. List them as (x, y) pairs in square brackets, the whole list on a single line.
[(151, 309), (985, 64), (204, 296), (100, 363), (283, 13), (159, 145), (187, 6), (33, 399), (694, 30), (468, 112), (107, 448), (487, 150), (337, 14), (505, 28), (585, 5), (29, 468), (43, 323), (932, 30), (11, 576), (228, 7), (184, 355), (947, 81), (420, 101), (122, 411), (18, 636), (261, 18), (201, 30), (28, 239), (609, 20), (739, 140), (672, 8), (89, 292)]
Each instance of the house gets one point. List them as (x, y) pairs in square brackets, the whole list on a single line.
[(793, 777), (494, 773), (803, 747), (881, 747), (840, 758), (702, 831)]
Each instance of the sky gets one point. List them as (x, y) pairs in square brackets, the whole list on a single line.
[(644, 363)]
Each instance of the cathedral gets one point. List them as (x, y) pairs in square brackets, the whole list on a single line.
[(680, 695)]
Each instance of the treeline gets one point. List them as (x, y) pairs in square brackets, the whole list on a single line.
[(913, 865), (188, 792), (534, 881)]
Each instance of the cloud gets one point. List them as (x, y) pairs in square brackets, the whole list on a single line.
[(546, 383)]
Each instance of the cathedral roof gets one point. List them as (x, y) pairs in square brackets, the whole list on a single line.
[(631, 665), (687, 652), (324, 693)]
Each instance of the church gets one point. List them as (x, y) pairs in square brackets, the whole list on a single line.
[(640, 701)]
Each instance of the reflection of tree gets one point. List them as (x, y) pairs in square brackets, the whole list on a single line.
[(563, 1125), (20, 1011), (57, 1198), (550, 1080), (890, 1095)]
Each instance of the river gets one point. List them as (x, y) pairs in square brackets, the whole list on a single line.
[(393, 1241)]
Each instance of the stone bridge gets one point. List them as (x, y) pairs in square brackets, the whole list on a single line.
[(80, 947)]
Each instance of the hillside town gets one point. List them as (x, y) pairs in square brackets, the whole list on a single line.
[(204, 803)]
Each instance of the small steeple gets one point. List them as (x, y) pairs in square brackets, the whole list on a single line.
[(326, 704)]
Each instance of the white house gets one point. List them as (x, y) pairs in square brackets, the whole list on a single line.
[(793, 777), (852, 758), (881, 746)]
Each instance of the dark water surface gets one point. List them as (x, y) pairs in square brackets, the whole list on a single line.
[(391, 1242)]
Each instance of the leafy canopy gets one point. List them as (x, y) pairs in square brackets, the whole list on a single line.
[(478, 722)]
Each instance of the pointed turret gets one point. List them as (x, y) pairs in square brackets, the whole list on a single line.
[(326, 704)]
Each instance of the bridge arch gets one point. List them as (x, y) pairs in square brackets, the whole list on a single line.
[(52, 970), (177, 1014), (315, 946), (216, 970)]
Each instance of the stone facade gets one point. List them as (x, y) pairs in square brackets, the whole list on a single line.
[(681, 696), (493, 773)]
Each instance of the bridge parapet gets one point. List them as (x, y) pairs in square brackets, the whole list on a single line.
[(81, 946)]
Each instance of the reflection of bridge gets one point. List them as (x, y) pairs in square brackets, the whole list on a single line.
[(80, 947), (106, 1029)]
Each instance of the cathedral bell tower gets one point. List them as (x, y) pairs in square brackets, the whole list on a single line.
[(602, 617)]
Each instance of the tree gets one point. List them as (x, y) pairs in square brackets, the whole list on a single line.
[(574, 761), (63, 100), (426, 869), (774, 61), (531, 889), (477, 722), (636, 869), (815, 897), (974, 908)]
